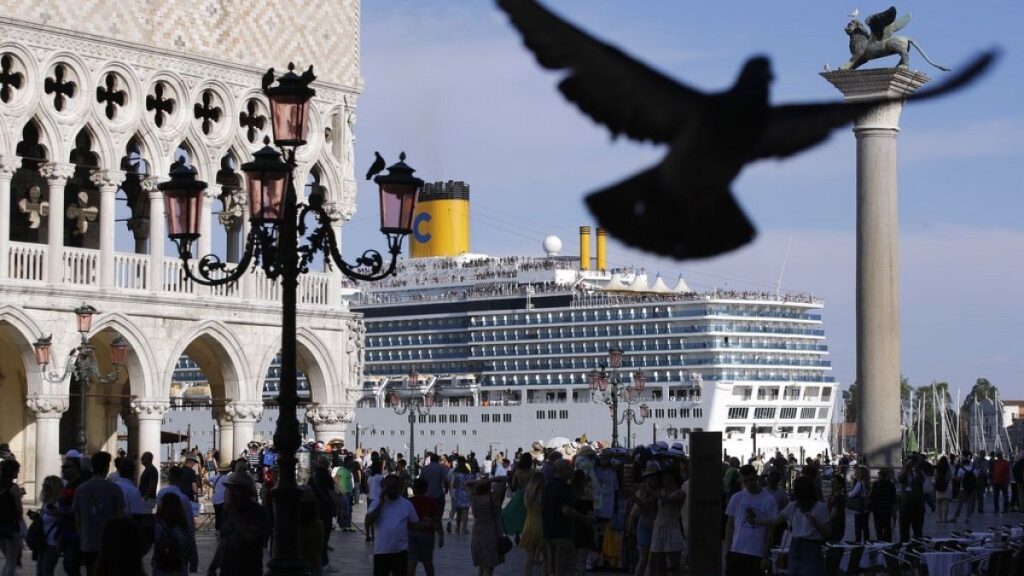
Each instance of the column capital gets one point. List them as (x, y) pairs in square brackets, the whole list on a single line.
[(57, 172), (107, 178), (47, 406), (243, 411), (149, 409), (212, 191), (148, 186), (8, 166), (328, 415)]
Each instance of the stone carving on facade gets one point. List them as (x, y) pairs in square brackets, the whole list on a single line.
[(354, 349), (34, 207), (47, 406), (150, 408), (107, 178), (57, 172), (9, 166), (234, 202), (243, 411), (82, 213), (328, 415)]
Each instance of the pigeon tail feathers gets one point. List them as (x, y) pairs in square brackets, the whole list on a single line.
[(640, 212)]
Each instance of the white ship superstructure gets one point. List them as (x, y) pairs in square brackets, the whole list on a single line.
[(505, 346)]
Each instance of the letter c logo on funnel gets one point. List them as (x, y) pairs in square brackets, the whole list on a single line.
[(421, 237)]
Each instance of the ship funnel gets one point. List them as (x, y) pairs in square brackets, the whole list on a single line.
[(584, 247), (441, 224), (602, 250)]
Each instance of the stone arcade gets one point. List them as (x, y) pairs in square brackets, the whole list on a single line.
[(97, 99)]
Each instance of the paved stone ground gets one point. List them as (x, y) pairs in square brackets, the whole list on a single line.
[(352, 555)]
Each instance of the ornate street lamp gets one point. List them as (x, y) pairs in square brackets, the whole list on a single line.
[(415, 403), (81, 364), (606, 387), (277, 221)]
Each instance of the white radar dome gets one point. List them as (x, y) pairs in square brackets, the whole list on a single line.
[(552, 245)]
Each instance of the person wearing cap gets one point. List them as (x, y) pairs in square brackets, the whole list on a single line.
[(219, 491), (749, 513), (245, 531)]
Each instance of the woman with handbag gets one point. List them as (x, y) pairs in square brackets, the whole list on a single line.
[(857, 501), (489, 544)]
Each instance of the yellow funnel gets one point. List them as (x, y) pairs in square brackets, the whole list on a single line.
[(584, 247), (441, 224)]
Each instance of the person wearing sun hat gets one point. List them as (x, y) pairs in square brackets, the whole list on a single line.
[(245, 529)]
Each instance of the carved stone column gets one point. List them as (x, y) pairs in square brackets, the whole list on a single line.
[(57, 175), (108, 182), (48, 410), (878, 286), (226, 441), (8, 166), (329, 422), (156, 235), (150, 416), (244, 415), (205, 241)]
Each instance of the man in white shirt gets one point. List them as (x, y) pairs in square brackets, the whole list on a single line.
[(391, 516), (749, 512)]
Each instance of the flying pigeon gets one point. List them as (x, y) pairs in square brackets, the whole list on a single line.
[(683, 206), (855, 13), (376, 167)]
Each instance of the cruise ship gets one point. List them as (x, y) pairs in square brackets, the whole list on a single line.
[(502, 351)]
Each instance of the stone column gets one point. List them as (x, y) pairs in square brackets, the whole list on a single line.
[(248, 280), (244, 415), (206, 220), (48, 410), (226, 441), (108, 182), (878, 313), (150, 416), (8, 166), (57, 175), (156, 234), (329, 422)]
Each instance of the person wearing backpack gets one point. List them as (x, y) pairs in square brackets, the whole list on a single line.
[(968, 488), (42, 533), (171, 540)]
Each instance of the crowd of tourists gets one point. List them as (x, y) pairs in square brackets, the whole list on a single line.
[(570, 510)]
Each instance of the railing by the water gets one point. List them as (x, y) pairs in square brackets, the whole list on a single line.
[(26, 261)]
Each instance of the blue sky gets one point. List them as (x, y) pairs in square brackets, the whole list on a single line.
[(451, 84)]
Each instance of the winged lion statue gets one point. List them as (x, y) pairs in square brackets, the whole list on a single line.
[(876, 40)]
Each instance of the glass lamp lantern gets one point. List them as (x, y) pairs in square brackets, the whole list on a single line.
[(395, 398), (414, 379), (83, 318), (183, 202), (289, 105), (267, 177), (639, 381), (398, 191), (42, 350), (119, 351)]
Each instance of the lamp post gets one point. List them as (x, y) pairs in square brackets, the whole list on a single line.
[(81, 365), (277, 222), (414, 403), (607, 387), (361, 428)]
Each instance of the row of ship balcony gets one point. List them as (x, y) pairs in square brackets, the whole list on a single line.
[(27, 262), (575, 328), (558, 361), (633, 314), (654, 376), (445, 339)]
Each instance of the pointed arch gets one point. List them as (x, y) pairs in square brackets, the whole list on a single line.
[(313, 357), (144, 373), (23, 331), (49, 137), (102, 146), (329, 179), (226, 348)]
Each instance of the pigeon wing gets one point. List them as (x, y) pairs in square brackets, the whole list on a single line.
[(608, 85), (793, 128), (880, 21)]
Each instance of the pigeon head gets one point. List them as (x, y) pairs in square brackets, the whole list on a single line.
[(756, 72)]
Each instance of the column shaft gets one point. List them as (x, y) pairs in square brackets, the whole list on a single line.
[(108, 182), (8, 166), (57, 175), (227, 441), (48, 410), (878, 314), (156, 235), (243, 432)]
